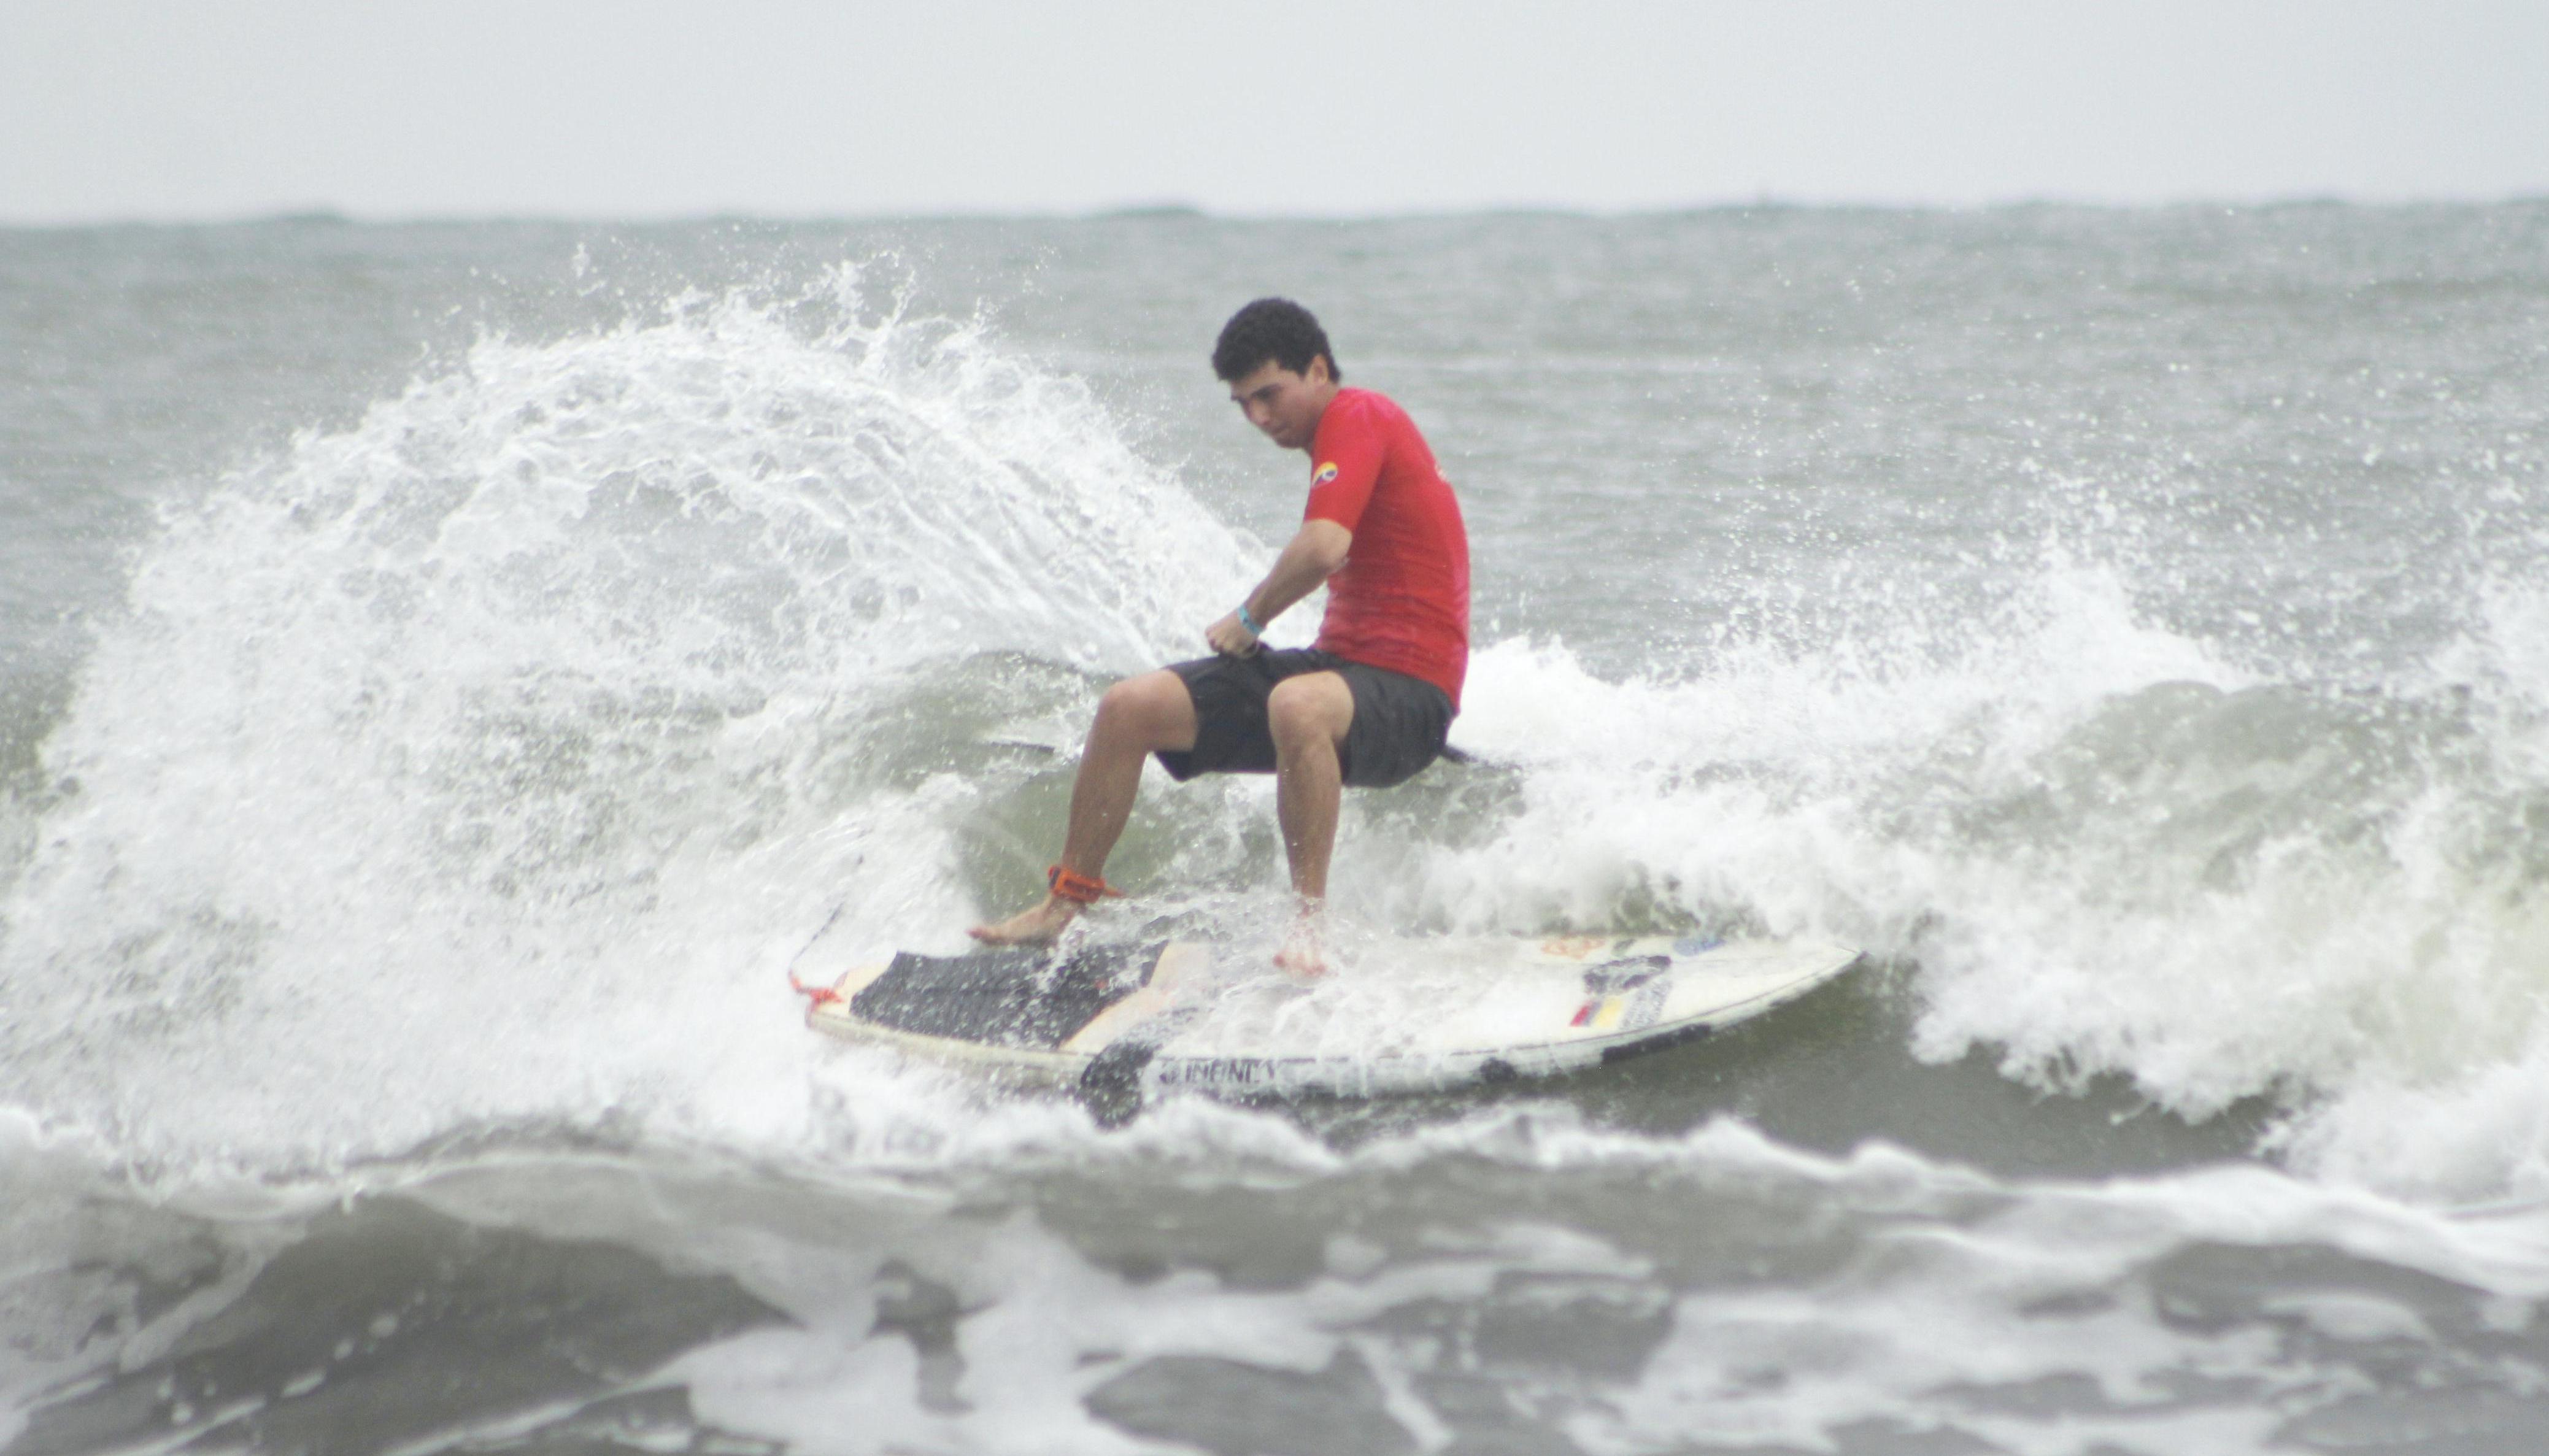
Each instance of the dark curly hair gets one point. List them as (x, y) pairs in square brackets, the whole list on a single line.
[(1272, 328)]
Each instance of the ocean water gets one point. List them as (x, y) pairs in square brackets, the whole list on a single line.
[(449, 672)]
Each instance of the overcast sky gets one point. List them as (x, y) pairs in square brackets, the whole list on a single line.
[(114, 109)]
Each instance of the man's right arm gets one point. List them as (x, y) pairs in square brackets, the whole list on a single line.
[(1309, 558)]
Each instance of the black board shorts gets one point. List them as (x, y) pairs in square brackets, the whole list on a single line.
[(1399, 721)]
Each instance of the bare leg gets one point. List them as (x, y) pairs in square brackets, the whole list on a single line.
[(1309, 717), (1136, 718)]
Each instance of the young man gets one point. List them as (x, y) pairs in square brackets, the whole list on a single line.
[(1369, 705)]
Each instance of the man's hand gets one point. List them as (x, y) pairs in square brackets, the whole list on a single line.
[(1230, 637)]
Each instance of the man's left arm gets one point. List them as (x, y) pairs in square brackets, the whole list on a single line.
[(1312, 556)]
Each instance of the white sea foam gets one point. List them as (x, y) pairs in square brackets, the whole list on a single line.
[(2035, 1314), (2108, 850), (485, 762)]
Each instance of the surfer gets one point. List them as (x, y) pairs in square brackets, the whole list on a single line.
[(1368, 705)]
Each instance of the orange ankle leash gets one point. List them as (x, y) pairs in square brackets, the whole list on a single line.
[(1085, 889)]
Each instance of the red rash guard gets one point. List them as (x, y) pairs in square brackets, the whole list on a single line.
[(1402, 600)]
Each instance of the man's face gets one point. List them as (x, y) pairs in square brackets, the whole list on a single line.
[(1283, 403)]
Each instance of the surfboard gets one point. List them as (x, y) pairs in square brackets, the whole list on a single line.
[(1123, 1022)]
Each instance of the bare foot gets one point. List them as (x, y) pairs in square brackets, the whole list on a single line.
[(1304, 957), (1029, 926)]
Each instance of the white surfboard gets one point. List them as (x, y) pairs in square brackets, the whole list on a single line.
[(1120, 1022)]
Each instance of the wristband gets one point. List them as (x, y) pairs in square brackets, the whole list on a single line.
[(1250, 623)]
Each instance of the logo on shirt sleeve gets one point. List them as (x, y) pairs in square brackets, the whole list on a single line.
[(1327, 472)]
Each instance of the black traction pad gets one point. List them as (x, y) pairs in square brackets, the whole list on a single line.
[(1023, 998)]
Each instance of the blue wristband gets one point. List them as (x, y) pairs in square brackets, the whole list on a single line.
[(1250, 623)]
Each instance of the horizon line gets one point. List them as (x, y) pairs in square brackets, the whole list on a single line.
[(1171, 209)]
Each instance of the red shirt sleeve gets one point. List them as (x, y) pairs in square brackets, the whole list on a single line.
[(1344, 464)]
